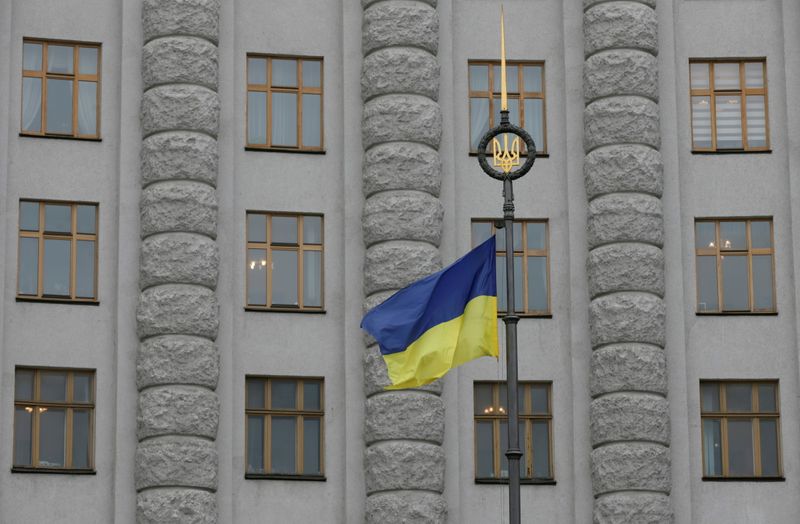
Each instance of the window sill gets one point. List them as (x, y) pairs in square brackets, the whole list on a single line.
[(736, 313), (732, 152), (538, 155), (285, 150), (744, 479), (56, 471), (63, 137), (49, 300), (530, 482), (269, 476), (285, 310)]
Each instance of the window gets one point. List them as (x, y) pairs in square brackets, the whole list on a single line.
[(535, 431), (531, 264), (284, 103), (60, 89), (741, 429), (526, 107), (284, 261), (285, 431), (735, 266), (57, 251), (53, 419), (729, 105)]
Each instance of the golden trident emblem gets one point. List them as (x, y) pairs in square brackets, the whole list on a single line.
[(503, 157)]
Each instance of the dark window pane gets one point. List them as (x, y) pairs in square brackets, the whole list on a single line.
[(729, 122), (53, 386), (484, 467), (87, 217), (23, 384), (57, 218), (536, 235), (56, 267), (732, 235), (707, 297), (312, 230), (762, 282), (726, 76), (312, 278), (712, 447), (311, 396), (256, 227), (532, 78), (311, 446), (517, 236), (524, 471), (479, 78), (760, 234), (87, 60), (541, 449), (257, 277), (769, 448), (84, 270), (82, 388), (740, 447), (32, 104), (540, 401), (255, 444), (766, 398), (534, 121), (29, 216), (284, 230), (500, 242), (52, 430), (484, 405), (699, 76), (282, 449), (59, 59), (23, 420), (256, 71), (503, 397), (284, 394), (739, 397), (481, 231), (519, 285), (87, 108), (503, 445), (28, 266), (32, 57), (537, 284), (284, 72), (312, 73), (478, 120), (284, 278), (59, 106), (756, 112), (500, 268), (255, 393), (735, 283), (701, 122), (705, 235), (256, 117), (312, 119), (709, 397), (80, 439)]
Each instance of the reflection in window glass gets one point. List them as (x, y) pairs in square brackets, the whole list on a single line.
[(257, 277), (705, 234)]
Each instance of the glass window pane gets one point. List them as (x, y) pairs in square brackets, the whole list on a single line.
[(517, 236), (760, 234), (726, 76), (734, 283), (59, 59), (729, 122), (312, 278), (59, 106), (739, 397), (282, 449), (255, 393), (712, 447), (257, 71), (23, 384), (255, 444), (311, 446), (28, 266), (532, 78), (82, 388), (87, 108), (478, 120), (256, 227), (312, 230), (524, 471), (80, 438), (754, 74), (32, 104), (484, 405), (763, 298), (519, 285), (500, 272), (701, 122), (709, 397), (740, 447), (32, 57), (284, 278), (311, 396), (23, 435), (481, 231), (479, 78), (52, 444), (732, 235), (500, 243), (707, 291), (699, 76), (756, 121), (502, 397), (84, 270), (484, 466), (284, 72), (284, 394), (284, 119), (503, 445), (769, 448), (312, 118), (284, 230), (534, 121), (53, 386), (766, 398), (312, 73), (87, 60), (256, 117), (29, 216), (56, 267), (541, 449), (539, 399), (257, 277), (57, 218), (87, 217), (536, 235), (537, 284), (705, 235)]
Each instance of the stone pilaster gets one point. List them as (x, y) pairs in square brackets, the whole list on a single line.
[(178, 315), (629, 416), (402, 227)]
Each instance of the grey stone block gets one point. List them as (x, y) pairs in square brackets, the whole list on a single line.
[(402, 215), (397, 415), (589, 3), (621, 119), (376, 377), (400, 70), (625, 217), (392, 118), (626, 267), (407, 507), (628, 367), (404, 465), (181, 59), (620, 24), (630, 466), (177, 410), (367, 3), (185, 258), (402, 165), (641, 508), (176, 506), (620, 72), (396, 264), (180, 17), (180, 107), (177, 359), (176, 461), (177, 309), (629, 416), (623, 168), (400, 23), (627, 317), (178, 206), (176, 155)]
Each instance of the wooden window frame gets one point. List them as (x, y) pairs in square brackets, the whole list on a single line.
[(42, 234), (743, 92), (527, 417), (525, 253), (300, 90), (300, 247), (299, 414), (748, 252), (541, 149), (36, 407), (755, 416), (76, 77)]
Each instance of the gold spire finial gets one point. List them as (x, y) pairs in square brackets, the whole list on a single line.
[(503, 93)]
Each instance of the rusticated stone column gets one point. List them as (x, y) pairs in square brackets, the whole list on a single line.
[(178, 315), (629, 415), (402, 227)]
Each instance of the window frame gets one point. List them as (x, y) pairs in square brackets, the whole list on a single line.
[(541, 149), (299, 90), (69, 407), (526, 416), (748, 252), (73, 236), (743, 92), (76, 78), (755, 416), (299, 415)]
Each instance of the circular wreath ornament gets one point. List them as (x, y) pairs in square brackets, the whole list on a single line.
[(506, 155)]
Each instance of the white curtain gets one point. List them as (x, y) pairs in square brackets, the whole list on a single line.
[(284, 119), (256, 117), (32, 104), (478, 120), (87, 104)]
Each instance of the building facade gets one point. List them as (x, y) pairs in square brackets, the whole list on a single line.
[(200, 199)]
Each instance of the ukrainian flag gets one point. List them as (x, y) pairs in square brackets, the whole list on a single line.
[(439, 322)]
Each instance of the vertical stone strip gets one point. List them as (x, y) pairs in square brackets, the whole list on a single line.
[(178, 314), (629, 415), (402, 227)]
